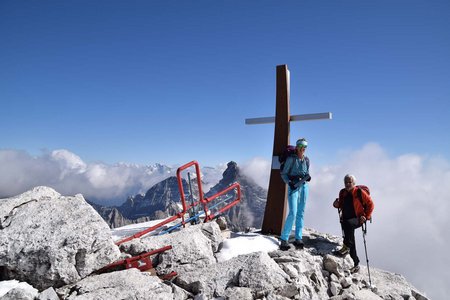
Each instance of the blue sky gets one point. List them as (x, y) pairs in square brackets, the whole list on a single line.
[(172, 81)]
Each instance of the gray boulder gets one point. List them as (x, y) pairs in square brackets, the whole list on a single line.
[(51, 240), (48, 294), (306, 273), (19, 293), (126, 284), (393, 286), (256, 271), (192, 248)]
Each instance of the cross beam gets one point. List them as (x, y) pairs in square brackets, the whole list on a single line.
[(275, 212), (307, 117)]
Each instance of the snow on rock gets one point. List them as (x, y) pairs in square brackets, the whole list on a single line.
[(126, 284), (245, 244), (10, 285), (49, 240)]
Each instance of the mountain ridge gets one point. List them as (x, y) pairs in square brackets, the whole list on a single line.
[(163, 200)]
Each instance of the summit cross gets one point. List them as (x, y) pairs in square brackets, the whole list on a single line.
[(275, 211)]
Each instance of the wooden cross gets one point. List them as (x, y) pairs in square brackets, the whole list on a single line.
[(275, 211)]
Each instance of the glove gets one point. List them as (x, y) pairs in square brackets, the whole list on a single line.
[(336, 203), (292, 185), (308, 177)]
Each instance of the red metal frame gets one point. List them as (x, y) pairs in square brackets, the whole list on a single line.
[(180, 183), (150, 229), (143, 261), (202, 200), (229, 205)]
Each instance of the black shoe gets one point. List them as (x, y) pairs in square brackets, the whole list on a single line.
[(299, 244), (284, 245), (355, 269), (342, 252)]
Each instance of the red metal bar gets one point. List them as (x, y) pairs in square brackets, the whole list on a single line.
[(228, 206), (180, 183), (150, 229), (141, 262), (202, 200), (169, 276), (183, 202)]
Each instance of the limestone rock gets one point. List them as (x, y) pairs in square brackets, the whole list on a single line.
[(48, 294), (222, 222), (256, 271), (51, 240), (191, 248), (212, 231), (367, 295), (18, 293), (126, 284), (391, 285), (238, 293)]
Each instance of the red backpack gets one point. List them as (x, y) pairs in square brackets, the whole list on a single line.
[(358, 192)]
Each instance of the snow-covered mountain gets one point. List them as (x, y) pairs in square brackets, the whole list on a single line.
[(160, 201)]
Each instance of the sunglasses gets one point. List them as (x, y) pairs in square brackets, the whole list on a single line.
[(301, 146)]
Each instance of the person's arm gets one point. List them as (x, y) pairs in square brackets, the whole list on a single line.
[(338, 202), (286, 169), (368, 204)]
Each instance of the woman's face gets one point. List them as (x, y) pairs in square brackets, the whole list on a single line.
[(301, 150)]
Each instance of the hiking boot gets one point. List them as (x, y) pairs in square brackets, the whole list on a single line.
[(284, 245), (355, 269), (299, 244), (342, 252)]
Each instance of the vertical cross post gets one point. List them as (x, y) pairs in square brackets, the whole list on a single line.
[(275, 211)]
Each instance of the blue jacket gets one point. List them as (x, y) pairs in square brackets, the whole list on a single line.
[(294, 166)]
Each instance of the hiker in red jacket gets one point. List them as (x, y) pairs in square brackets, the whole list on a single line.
[(355, 206)]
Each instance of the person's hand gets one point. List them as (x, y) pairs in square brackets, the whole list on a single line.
[(292, 185), (336, 203), (308, 178), (362, 220)]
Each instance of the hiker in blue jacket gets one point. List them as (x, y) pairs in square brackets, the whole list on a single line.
[(295, 174)]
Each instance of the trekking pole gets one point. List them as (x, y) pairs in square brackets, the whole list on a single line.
[(340, 221), (364, 231)]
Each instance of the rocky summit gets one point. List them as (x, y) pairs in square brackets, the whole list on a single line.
[(57, 244)]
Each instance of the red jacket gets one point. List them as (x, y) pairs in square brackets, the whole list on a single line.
[(365, 209)]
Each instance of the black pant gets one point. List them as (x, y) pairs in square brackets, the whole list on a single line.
[(349, 227)]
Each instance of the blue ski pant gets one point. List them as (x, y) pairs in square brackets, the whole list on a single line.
[(297, 203)]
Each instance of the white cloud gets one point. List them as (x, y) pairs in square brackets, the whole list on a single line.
[(258, 169), (69, 175)]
